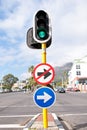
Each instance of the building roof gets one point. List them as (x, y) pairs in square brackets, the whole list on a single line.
[(81, 60)]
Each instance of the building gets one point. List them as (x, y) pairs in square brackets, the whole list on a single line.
[(18, 85), (78, 73)]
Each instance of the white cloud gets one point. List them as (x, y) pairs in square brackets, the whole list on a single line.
[(6, 55), (25, 76), (69, 31)]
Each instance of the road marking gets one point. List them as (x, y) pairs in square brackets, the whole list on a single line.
[(11, 126), (77, 114), (70, 105), (17, 116), (56, 105), (58, 123), (16, 106), (14, 125), (32, 121)]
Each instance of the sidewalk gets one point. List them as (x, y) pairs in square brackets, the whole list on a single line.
[(36, 123)]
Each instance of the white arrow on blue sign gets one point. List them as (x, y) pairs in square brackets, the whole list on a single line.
[(44, 97)]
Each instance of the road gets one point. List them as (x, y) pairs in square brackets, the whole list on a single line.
[(72, 109), (17, 108)]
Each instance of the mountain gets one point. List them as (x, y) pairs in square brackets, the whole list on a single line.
[(61, 72)]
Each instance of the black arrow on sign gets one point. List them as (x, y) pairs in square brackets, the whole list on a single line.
[(44, 73)]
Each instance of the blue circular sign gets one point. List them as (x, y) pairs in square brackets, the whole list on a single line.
[(44, 97)]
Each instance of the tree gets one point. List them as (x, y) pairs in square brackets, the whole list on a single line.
[(9, 80), (65, 78), (30, 70), (31, 80)]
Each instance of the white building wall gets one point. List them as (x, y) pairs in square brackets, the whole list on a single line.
[(78, 72)]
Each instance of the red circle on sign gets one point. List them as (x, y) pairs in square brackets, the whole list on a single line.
[(43, 73)]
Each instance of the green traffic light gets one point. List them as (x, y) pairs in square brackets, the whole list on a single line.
[(42, 34)]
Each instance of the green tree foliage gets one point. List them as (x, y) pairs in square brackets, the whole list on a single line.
[(8, 81), (31, 80), (31, 69)]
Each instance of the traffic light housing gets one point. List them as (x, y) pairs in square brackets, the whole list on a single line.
[(41, 28), (32, 43)]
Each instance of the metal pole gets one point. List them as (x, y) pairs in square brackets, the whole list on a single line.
[(62, 81), (45, 111)]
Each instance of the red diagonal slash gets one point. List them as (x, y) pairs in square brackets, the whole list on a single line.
[(45, 72)]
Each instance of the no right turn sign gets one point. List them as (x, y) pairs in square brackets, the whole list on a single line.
[(43, 73)]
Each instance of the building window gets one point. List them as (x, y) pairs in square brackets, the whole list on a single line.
[(78, 73), (77, 66)]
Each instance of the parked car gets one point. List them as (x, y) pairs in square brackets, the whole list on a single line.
[(68, 89), (55, 89), (61, 90), (73, 89), (1, 90)]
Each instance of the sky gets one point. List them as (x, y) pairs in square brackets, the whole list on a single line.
[(69, 34)]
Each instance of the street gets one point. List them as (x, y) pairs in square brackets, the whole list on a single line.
[(17, 108), (72, 109)]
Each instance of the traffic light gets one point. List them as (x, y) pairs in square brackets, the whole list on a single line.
[(41, 29), (32, 43)]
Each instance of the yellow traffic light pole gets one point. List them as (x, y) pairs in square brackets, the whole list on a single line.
[(45, 111)]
